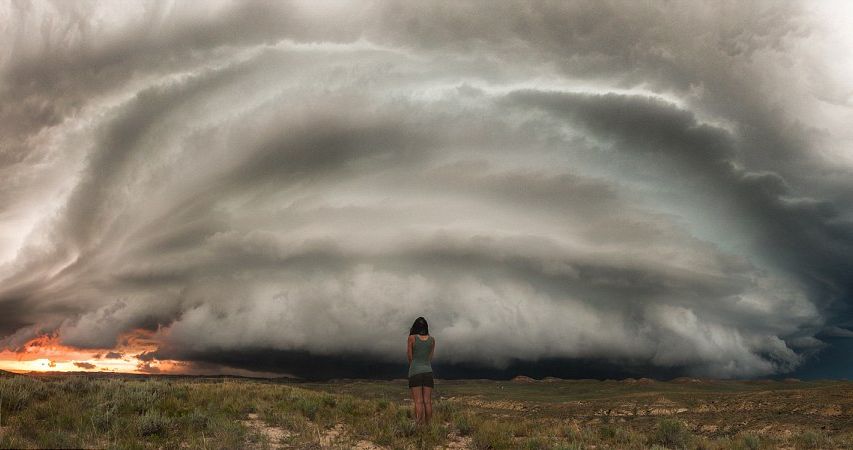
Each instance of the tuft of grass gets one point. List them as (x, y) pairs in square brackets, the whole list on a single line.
[(607, 432), (404, 425), (536, 443), (347, 406), (226, 434), (308, 407), (444, 408), (749, 442), (55, 438), (77, 384), (18, 392), (492, 435), (812, 439), (672, 434), (104, 418), (328, 401), (137, 397), (152, 423), (7, 441), (576, 435), (464, 423), (570, 447), (196, 420), (382, 404), (522, 428), (619, 435)]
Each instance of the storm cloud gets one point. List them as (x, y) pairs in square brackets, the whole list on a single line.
[(665, 188)]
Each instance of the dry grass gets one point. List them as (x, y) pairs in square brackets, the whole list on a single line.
[(76, 411)]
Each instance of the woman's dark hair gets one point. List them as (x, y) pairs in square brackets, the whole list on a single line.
[(419, 327)]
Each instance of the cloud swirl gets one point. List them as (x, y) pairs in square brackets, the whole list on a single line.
[(658, 185)]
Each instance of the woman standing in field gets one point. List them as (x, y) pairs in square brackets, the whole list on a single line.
[(419, 348)]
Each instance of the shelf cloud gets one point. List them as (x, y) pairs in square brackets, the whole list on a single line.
[(285, 186)]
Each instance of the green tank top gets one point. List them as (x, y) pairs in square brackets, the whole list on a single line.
[(420, 356)]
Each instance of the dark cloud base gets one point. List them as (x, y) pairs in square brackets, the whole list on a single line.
[(324, 368)]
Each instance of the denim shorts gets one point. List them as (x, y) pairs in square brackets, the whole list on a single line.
[(421, 379)]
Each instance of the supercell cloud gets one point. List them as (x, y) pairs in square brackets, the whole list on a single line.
[(646, 184)]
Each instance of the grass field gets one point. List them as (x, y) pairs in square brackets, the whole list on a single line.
[(58, 411)]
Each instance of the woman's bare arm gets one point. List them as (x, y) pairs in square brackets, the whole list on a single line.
[(409, 343), (432, 349)]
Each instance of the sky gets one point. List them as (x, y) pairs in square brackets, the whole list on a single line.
[(573, 188)]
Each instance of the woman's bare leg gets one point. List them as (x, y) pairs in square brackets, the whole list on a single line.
[(427, 403), (418, 400)]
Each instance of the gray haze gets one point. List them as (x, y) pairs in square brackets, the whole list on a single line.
[(667, 184)]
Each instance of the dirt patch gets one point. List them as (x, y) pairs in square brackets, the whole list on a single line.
[(337, 437), (273, 435), (457, 442), (367, 445), (332, 436), (831, 410), (508, 405), (666, 408)]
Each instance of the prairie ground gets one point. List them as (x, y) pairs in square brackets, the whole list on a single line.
[(73, 411)]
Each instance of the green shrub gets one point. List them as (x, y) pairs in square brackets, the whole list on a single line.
[(404, 426), (55, 438), (151, 423), (671, 433), (226, 434), (536, 443), (77, 385), (329, 401), (491, 435), (41, 411), (288, 419), (17, 392), (196, 420), (308, 407), (347, 406), (463, 423), (103, 418), (607, 432), (813, 439), (577, 435), (138, 397), (618, 434), (521, 428), (11, 441), (444, 408), (750, 442)]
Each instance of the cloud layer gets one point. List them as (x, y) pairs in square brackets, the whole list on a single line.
[(650, 185)]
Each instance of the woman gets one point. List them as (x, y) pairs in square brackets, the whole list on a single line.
[(419, 348)]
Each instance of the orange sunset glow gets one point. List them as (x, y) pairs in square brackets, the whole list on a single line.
[(47, 354)]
